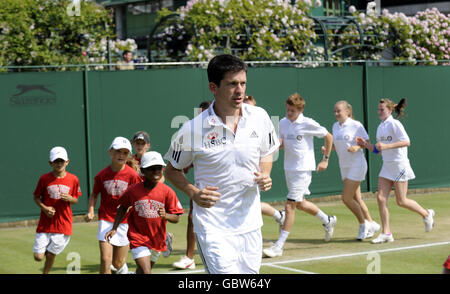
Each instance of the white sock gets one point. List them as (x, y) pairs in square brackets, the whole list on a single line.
[(323, 217), (123, 270), (277, 215), (282, 239)]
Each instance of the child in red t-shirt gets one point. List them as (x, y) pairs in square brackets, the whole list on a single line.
[(152, 204), (54, 194), (111, 183)]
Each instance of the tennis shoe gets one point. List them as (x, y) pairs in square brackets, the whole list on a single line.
[(184, 263), (329, 227), (429, 220), (273, 251), (382, 238)]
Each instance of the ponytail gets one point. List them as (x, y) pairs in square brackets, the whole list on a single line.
[(400, 108)]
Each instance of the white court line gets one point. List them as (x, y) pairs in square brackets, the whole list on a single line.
[(273, 264), (360, 253), (288, 268)]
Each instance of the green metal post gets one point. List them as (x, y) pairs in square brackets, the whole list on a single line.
[(87, 128), (366, 118)]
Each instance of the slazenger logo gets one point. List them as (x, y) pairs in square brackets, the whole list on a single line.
[(33, 95), (148, 208), (55, 191), (388, 138), (212, 140), (115, 187)]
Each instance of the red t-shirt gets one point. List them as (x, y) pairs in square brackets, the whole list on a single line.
[(145, 226), (48, 190), (447, 263), (111, 185)]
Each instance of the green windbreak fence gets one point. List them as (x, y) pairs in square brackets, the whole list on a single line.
[(84, 111)]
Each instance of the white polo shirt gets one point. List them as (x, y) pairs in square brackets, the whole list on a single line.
[(298, 141), (227, 161), (343, 137), (391, 131)]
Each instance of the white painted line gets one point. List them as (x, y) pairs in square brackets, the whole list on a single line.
[(288, 269), (359, 253), (276, 263)]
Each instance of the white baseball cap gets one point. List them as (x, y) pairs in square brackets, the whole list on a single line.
[(58, 152), (120, 143), (151, 158)]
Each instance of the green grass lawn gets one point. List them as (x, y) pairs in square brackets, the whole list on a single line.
[(303, 249)]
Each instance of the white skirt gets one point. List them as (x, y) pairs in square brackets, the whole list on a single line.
[(355, 173), (397, 171)]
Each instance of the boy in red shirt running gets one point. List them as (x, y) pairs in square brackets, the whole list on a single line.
[(54, 194), (111, 183), (153, 204)]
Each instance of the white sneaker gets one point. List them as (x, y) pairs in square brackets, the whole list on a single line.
[(273, 251), (429, 220), (184, 263), (362, 232), (383, 238), (329, 228), (169, 240), (373, 227)]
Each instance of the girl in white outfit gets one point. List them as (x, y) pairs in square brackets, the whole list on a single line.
[(353, 166), (393, 143)]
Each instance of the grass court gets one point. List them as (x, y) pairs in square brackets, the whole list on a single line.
[(413, 252)]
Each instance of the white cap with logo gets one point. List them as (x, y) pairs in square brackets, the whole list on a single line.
[(120, 143), (151, 158), (58, 152)]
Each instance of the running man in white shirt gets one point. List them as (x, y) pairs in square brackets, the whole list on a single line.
[(297, 134), (353, 166), (393, 143), (230, 145)]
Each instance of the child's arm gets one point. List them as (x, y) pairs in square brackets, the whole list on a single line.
[(326, 153), (69, 198), (91, 206), (172, 218), (48, 210)]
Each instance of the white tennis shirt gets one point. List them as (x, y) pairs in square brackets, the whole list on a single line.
[(298, 142), (343, 137), (228, 161), (391, 131)]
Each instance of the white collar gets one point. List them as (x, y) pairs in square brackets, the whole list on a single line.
[(214, 120)]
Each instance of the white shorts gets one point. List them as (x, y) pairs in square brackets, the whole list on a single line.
[(397, 171), (298, 184), (143, 251), (51, 242), (354, 173), (231, 254), (119, 239)]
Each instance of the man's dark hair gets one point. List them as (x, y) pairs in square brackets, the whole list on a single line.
[(125, 52), (221, 64)]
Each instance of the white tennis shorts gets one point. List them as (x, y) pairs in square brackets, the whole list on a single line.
[(51, 242), (354, 173), (231, 254), (298, 184), (397, 171), (143, 251), (119, 239)]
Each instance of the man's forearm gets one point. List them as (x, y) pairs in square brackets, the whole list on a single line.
[(179, 180)]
